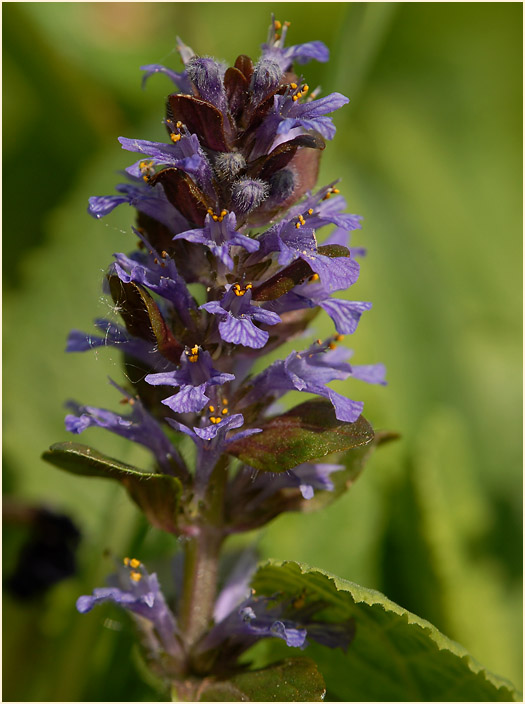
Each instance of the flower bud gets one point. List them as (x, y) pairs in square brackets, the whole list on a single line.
[(265, 79), (282, 184), (228, 164), (206, 75), (248, 194)]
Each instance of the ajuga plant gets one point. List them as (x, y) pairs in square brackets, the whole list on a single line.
[(232, 262)]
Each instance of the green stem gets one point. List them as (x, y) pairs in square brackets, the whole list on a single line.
[(202, 560)]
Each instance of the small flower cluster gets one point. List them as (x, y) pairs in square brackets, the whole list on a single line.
[(228, 268)]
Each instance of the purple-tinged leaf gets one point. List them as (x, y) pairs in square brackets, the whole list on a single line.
[(143, 318), (183, 194), (201, 118), (309, 431)]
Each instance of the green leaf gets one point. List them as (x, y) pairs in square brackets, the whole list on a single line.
[(395, 655), (157, 495), (292, 680), (307, 432)]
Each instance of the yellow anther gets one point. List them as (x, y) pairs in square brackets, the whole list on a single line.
[(332, 346), (215, 420), (215, 218), (134, 563), (193, 354), (293, 86), (319, 341), (295, 97), (225, 401), (224, 411), (314, 277), (339, 338), (175, 137), (249, 286), (287, 24), (136, 576), (179, 124), (131, 401), (335, 190), (211, 409), (301, 219), (209, 211), (277, 24), (297, 225), (223, 213), (305, 88), (145, 178), (310, 211), (126, 561)]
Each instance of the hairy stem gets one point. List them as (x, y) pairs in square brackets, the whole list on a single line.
[(202, 560)]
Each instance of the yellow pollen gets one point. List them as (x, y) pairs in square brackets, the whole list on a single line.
[(310, 211), (305, 88), (223, 213), (175, 137), (209, 211), (295, 97), (224, 411), (332, 346), (126, 561), (225, 401), (136, 576), (339, 338), (277, 24), (164, 254), (211, 409), (335, 190), (215, 420), (215, 218), (314, 277), (286, 24), (319, 341), (145, 178), (293, 86), (248, 286), (297, 225), (179, 124), (131, 401), (134, 563)]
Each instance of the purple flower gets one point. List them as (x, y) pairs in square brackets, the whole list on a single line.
[(219, 234), (147, 200), (116, 336), (183, 153), (212, 440), (289, 117), (308, 477), (158, 272), (139, 426), (345, 314), (139, 592), (309, 371), (292, 239), (194, 376), (237, 313), (300, 53)]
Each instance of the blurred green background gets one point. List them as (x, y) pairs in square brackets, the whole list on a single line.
[(429, 152)]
